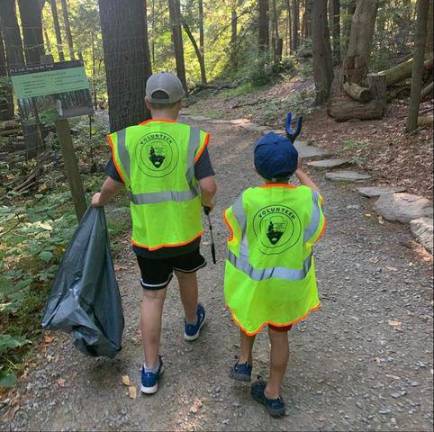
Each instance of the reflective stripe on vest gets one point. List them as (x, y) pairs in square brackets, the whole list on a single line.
[(161, 197), (242, 262)]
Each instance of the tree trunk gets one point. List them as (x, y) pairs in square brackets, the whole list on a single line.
[(335, 25), (11, 34), (277, 40), (322, 57), (419, 54), (289, 28), (362, 31), (307, 19), (197, 51), (6, 100), (148, 64), (234, 38), (201, 31), (295, 25), (347, 19), (57, 30), (430, 28), (361, 94), (264, 27), (31, 23), (343, 108), (124, 39), (427, 91), (153, 32), (68, 29), (47, 41), (175, 21)]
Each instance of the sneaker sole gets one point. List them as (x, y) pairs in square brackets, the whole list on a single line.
[(151, 390), (196, 336)]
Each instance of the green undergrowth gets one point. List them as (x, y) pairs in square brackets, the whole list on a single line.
[(35, 231)]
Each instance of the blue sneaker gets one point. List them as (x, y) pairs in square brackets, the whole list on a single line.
[(275, 407), (150, 379), (192, 331), (241, 372)]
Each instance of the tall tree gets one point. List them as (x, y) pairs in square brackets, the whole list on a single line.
[(419, 55), (124, 41), (175, 22), (234, 36), (307, 19), (288, 27), (295, 25), (264, 26), (31, 23), (322, 57), (429, 28), (11, 34), (201, 30), (347, 15), (335, 25), (276, 39), (6, 100), (68, 29), (148, 63), (57, 30), (356, 62), (198, 51)]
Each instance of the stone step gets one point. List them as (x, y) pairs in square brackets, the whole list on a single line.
[(328, 163), (309, 152), (347, 176), (376, 191), (422, 229)]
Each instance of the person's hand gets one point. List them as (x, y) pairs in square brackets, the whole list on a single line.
[(300, 164), (209, 205), (96, 200)]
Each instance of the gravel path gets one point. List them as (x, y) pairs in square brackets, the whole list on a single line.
[(364, 362)]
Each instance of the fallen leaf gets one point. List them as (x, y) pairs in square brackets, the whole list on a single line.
[(61, 382), (48, 339), (126, 380), (395, 323), (381, 220), (368, 214), (392, 268), (132, 392)]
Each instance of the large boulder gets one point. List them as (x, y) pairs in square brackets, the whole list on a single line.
[(422, 229), (403, 207)]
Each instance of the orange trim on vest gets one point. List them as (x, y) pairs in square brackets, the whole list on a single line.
[(118, 168), (200, 153), (323, 231), (167, 245), (293, 322), (231, 230), (157, 120), (273, 185)]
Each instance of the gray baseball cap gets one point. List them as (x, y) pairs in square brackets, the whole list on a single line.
[(164, 88)]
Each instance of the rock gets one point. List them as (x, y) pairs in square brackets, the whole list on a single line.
[(276, 131), (197, 117), (348, 176), (328, 163), (374, 191), (422, 229), (403, 207), (308, 152), (253, 127)]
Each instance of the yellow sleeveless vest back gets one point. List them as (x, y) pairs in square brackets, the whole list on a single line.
[(270, 269), (156, 162)]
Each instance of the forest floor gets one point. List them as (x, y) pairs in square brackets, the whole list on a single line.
[(363, 362)]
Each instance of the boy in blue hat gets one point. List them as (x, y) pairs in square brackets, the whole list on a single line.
[(270, 272)]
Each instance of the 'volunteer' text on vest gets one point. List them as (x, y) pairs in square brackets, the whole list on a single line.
[(270, 268), (156, 163)]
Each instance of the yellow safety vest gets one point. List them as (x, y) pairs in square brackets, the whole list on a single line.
[(156, 163), (270, 268)]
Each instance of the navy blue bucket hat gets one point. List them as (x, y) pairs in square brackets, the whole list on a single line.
[(275, 157)]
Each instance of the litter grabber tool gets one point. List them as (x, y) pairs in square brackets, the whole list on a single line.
[(207, 211), (291, 133)]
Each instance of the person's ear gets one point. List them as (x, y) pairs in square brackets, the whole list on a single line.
[(148, 104)]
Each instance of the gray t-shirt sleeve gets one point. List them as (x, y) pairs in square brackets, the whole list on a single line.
[(203, 167)]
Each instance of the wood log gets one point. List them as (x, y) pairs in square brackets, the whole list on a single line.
[(9, 132), (358, 93), (9, 124), (427, 91), (343, 108), (425, 121), (403, 70)]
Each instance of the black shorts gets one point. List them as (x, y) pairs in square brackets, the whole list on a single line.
[(158, 272)]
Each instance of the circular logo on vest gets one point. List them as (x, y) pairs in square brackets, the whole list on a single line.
[(278, 228), (157, 154)]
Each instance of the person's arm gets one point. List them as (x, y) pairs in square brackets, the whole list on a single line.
[(208, 188), (109, 189), (304, 178)]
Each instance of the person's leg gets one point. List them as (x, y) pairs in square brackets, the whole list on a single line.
[(150, 324), (246, 347), (278, 362), (188, 288)]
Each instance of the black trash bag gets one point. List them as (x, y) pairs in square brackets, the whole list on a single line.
[(85, 298)]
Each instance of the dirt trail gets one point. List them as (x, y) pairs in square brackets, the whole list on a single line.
[(364, 362)]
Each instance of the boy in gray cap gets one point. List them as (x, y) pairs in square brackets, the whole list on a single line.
[(166, 169)]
